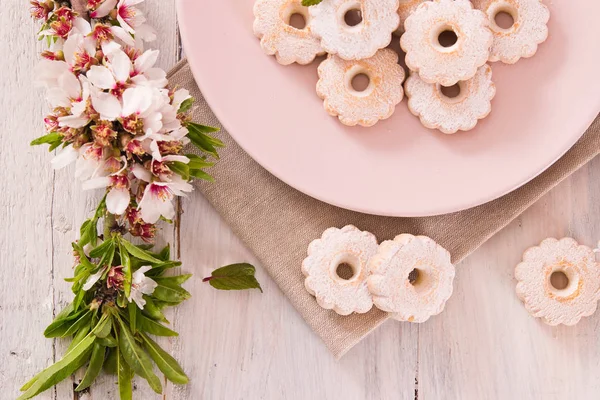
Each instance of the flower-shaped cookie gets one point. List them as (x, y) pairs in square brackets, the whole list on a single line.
[(450, 114), (279, 38), (377, 101), (446, 41), (406, 8), (411, 277), (373, 32), (542, 269), (349, 247), (520, 39)]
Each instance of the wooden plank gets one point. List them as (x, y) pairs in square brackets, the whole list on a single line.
[(485, 345), (26, 294)]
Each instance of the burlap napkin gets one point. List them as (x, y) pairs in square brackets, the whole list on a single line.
[(278, 222)]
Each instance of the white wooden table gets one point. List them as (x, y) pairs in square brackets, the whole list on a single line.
[(251, 346)]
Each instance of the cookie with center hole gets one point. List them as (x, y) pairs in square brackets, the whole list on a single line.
[(559, 281), (519, 26), (273, 26), (411, 277), (406, 8), (446, 41), (366, 105), (354, 29), (450, 109), (336, 269)]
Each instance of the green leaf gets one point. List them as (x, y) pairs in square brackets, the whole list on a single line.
[(83, 257), (197, 162), (124, 376), (96, 361), (82, 321), (88, 233), (148, 325), (139, 253), (62, 322), (108, 341), (234, 277), (167, 364), (103, 327), (102, 249), (79, 298), (79, 336), (202, 128), (108, 256), (181, 169), (198, 136), (110, 365), (152, 311), (127, 269), (60, 370), (173, 280), (51, 139), (165, 253), (186, 105), (137, 359), (133, 313), (199, 174), (170, 293), (160, 269), (308, 3)]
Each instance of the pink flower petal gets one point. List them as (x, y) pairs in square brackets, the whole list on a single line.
[(96, 183), (106, 7), (120, 65), (65, 157), (107, 105), (146, 61), (136, 100), (101, 77), (117, 200)]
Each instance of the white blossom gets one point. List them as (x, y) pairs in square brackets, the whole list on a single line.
[(140, 286)]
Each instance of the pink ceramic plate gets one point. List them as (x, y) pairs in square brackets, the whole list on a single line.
[(397, 167)]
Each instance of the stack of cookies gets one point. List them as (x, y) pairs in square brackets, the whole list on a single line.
[(448, 44)]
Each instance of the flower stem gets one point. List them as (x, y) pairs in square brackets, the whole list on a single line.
[(109, 223)]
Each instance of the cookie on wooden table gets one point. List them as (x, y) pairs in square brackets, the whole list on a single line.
[(278, 37), (411, 277), (354, 106), (446, 41), (337, 249), (331, 21), (521, 39), (455, 108), (559, 281)]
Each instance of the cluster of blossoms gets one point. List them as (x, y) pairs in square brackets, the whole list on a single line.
[(113, 114)]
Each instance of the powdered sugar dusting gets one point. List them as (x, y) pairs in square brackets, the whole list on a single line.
[(522, 38), (336, 246), (364, 108), (559, 306), (449, 115), (279, 38), (446, 65), (389, 278)]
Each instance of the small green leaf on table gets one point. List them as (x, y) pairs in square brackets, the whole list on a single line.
[(308, 3), (234, 277)]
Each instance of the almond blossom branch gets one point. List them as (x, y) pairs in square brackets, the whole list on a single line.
[(114, 116)]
